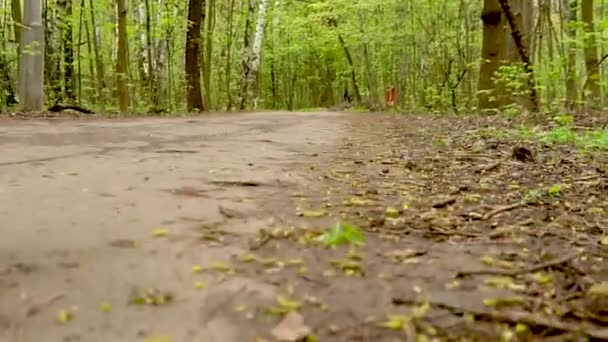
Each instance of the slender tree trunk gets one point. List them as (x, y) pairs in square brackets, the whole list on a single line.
[(353, 75), (31, 74), (210, 21), (522, 47), (99, 66), (594, 99), (122, 62), (229, 54), (256, 52), (16, 14), (569, 7), (247, 56), (151, 75), (193, 70), (67, 49), (492, 55)]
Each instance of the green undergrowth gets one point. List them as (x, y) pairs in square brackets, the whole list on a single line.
[(564, 133)]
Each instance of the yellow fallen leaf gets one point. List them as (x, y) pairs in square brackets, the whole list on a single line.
[(197, 269), (160, 232), (248, 258), (222, 267), (357, 201), (288, 304), (542, 278), (106, 307), (421, 311), (199, 285), (391, 212), (64, 316), (599, 290), (395, 322)]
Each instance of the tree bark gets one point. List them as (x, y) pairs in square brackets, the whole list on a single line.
[(492, 55), (522, 47), (229, 54), (594, 98), (67, 49), (246, 59), (256, 52), (122, 61), (210, 26), (31, 74), (193, 70), (151, 75), (99, 66), (569, 7)]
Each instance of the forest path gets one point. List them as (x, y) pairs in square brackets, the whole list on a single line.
[(76, 195), (471, 232)]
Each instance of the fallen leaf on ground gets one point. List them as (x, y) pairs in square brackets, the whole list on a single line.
[(291, 328), (64, 316), (160, 232)]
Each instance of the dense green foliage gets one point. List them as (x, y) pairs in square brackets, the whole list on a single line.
[(429, 50)]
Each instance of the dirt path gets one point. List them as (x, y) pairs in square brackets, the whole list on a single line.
[(76, 195), (463, 239)]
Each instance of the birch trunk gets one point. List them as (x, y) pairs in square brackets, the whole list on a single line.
[(31, 73)]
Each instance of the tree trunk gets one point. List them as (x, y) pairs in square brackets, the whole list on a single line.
[(256, 52), (246, 59), (151, 75), (569, 7), (122, 62), (193, 70), (101, 85), (67, 49), (229, 54), (594, 98), (353, 75), (16, 14), (210, 21), (492, 55), (31, 74), (522, 47)]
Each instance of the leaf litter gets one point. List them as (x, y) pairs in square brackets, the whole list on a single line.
[(475, 239)]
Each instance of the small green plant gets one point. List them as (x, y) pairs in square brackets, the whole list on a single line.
[(564, 120), (560, 135), (342, 233), (532, 196), (555, 190)]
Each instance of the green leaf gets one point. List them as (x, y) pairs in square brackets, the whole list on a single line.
[(342, 233)]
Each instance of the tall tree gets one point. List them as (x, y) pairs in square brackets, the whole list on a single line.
[(569, 9), (492, 54), (521, 43), (31, 73), (122, 58), (247, 55), (67, 49), (193, 70), (594, 98)]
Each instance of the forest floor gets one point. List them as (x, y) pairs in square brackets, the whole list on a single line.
[(215, 228)]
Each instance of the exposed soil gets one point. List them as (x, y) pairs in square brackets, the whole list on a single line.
[(469, 235)]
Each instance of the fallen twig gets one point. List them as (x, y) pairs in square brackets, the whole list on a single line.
[(534, 320), (502, 209), (36, 308), (237, 183), (530, 269)]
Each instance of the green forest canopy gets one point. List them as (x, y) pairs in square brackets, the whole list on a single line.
[(315, 53)]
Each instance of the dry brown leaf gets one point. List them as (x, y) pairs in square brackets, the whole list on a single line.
[(291, 328)]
